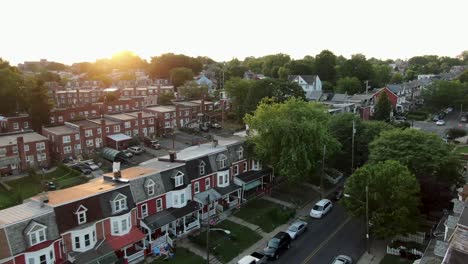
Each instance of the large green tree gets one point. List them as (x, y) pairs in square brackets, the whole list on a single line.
[(10, 88), (393, 198), (382, 73), (445, 93), (325, 64), (38, 104), (180, 75), (193, 91), (383, 107), (290, 136), (358, 66), (161, 66), (427, 156), (349, 85), (463, 77)]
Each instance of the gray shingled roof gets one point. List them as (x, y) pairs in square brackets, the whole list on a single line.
[(138, 188)]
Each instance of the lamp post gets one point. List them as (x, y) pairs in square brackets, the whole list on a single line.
[(367, 216)]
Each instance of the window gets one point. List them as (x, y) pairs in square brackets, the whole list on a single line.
[(88, 133), (128, 133), (37, 234), (196, 187), (116, 128), (77, 146), (87, 240), (26, 125), (167, 115), (240, 153), (207, 183), (60, 118), (186, 112), (245, 166), (120, 203), (221, 160), (41, 156), (26, 147), (236, 169), (136, 122), (15, 125), (144, 210), (107, 129), (202, 167), (142, 122), (121, 224), (67, 149), (151, 130), (99, 131), (2, 152), (150, 187), (15, 149), (127, 125), (84, 239), (40, 146), (179, 179), (66, 139), (167, 124), (159, 205), (89, 143), (256, 165), (182, 198), (77, 242), (52, 120), (77, 136), (81, 217), (151, 121)]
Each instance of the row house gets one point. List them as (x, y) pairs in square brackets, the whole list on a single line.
[(142, 124), (123, 104), (166, 117), (15, 123), (76, 97), (62, 115), (29, 234), (22, 150)]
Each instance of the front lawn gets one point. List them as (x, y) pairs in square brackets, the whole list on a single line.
[(226, 247), (182, 256), (392, 259), (297, 194), (265, 214), (461, 150)]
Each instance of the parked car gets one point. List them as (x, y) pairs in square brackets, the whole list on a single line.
[(342, 259), (463, 119), (296, 229), (435, 118), (91, 165), (400, 118), (204, 128), (51, 186), (338, 194), (127, 154), (216, 126), (321, 208), (254, 258), (277, 244), (83, 169), (440, 123), (135, 150), (151, 143)]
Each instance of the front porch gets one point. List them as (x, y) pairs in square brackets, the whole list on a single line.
[(254, 181), (231, 197), (129, 248)]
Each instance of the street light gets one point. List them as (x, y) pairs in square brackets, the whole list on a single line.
[(367, 215)]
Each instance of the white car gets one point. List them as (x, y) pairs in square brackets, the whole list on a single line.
[(135, 150), (296, 228), (342, 259), (321, 208), (93, 166), (440, 122)]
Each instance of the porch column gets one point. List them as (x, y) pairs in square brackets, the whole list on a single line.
[(184, 224), (125, 252)]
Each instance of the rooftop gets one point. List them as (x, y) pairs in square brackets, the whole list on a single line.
[(10, 139), (187, 104), (143, 114), (106, 121), (133, 172), (25, 211), (199, 102), (60, 130), (464, 216), (162, 109), (159, 166), (199, 151), (85, 123), (122, 117)]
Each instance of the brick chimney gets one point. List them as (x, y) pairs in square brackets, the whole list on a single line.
[(21, 154), (172, 156), (103, 130)]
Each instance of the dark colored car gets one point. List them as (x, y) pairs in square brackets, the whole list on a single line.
[(338, 194), (277, 244), (83, 169)]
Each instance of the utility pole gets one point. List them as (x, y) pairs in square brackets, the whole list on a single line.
[(208, 231), (367, 218), (323, 171), (367, 86), (352, 147)]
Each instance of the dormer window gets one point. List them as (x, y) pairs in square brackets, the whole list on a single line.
[(240, 153), (150, 187), (37, 234), (221, 160), (119, 203), (179, 179), (201, 166), (81, 214)]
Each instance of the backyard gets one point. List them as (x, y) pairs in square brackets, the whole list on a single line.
[(28, 186), (226, 247), (265, 214), (461, 150), (182, 256)]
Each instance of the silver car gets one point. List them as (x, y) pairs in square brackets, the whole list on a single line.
[(296, 229), (342, 259)]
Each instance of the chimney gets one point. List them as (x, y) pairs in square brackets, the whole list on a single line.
[(140, 124), (116, 170), (214, 144), (21, 153), (172, 156)]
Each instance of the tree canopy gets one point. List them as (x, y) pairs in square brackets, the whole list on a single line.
[(383, 107), (10, 88), (291, 136), (192, 91), (441, 94), (349, 85), (180, 75), (393, 198), (161, 66)]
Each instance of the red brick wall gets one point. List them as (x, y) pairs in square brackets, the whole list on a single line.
[(4, 249), (67, 242), (152, 205)]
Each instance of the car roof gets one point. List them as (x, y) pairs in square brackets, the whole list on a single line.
[(281, 234), (322, 202), (298, 223)]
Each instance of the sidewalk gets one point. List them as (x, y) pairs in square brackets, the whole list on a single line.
[(378, 250)]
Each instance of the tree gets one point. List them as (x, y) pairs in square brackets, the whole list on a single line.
[(283, 73), (39, 105), (393, 198), (192, 91), (397, 78), (425, 155), (165, 98), (180, 75), (463, 77), (349, 85), (383, 107), (325, 63), (10, 85), (161, 66), (382, 73), (445, 93), (290, 136), (272, 63), (358, 67)]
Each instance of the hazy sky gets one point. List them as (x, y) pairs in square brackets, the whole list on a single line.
[(80, 30)]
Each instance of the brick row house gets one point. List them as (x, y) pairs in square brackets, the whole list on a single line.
[(15, 123), (22, 150), (126, 214), (66, 98)]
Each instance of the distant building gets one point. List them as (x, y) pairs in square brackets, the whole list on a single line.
[(309, 83)]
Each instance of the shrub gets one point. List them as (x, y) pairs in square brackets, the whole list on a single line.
[(456, 132)]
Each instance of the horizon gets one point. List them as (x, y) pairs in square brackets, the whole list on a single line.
[(87, 31)]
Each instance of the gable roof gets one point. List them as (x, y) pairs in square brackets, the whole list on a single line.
[(314, 95), (309, 79), (340, 97)]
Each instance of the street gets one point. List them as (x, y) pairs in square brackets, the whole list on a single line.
[(333, 235), (451, 121)]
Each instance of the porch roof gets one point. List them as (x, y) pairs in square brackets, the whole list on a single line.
[(119, 242), (165, 217), (214, 195), (227, 190), (98, 254), (252, 175)]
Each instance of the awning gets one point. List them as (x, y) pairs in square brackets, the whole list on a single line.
[(119, 137), (252, 175), (167, 216), (9, 160), (227, 190), (100, 254), (119, 242), (110, 154), (251, 185), (201, 197)]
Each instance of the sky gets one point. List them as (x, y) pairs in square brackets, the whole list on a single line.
[(71, 31)]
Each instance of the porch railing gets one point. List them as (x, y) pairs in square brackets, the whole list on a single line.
[(192, 225), (169, 240), (136, 256)]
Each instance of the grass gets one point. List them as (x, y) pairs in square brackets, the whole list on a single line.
[(461, 150), (224, 247), (265, 214), (182, 256), (297, 194), (392, 259), (29, 186)]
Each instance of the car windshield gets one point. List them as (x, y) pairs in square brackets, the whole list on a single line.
[(273, 243), (292, 228), (318, 207)]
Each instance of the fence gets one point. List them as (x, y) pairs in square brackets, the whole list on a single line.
[(396, 251), (418, 237)]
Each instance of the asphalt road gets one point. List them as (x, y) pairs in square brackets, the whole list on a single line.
[(333, 235), (451, 121)]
